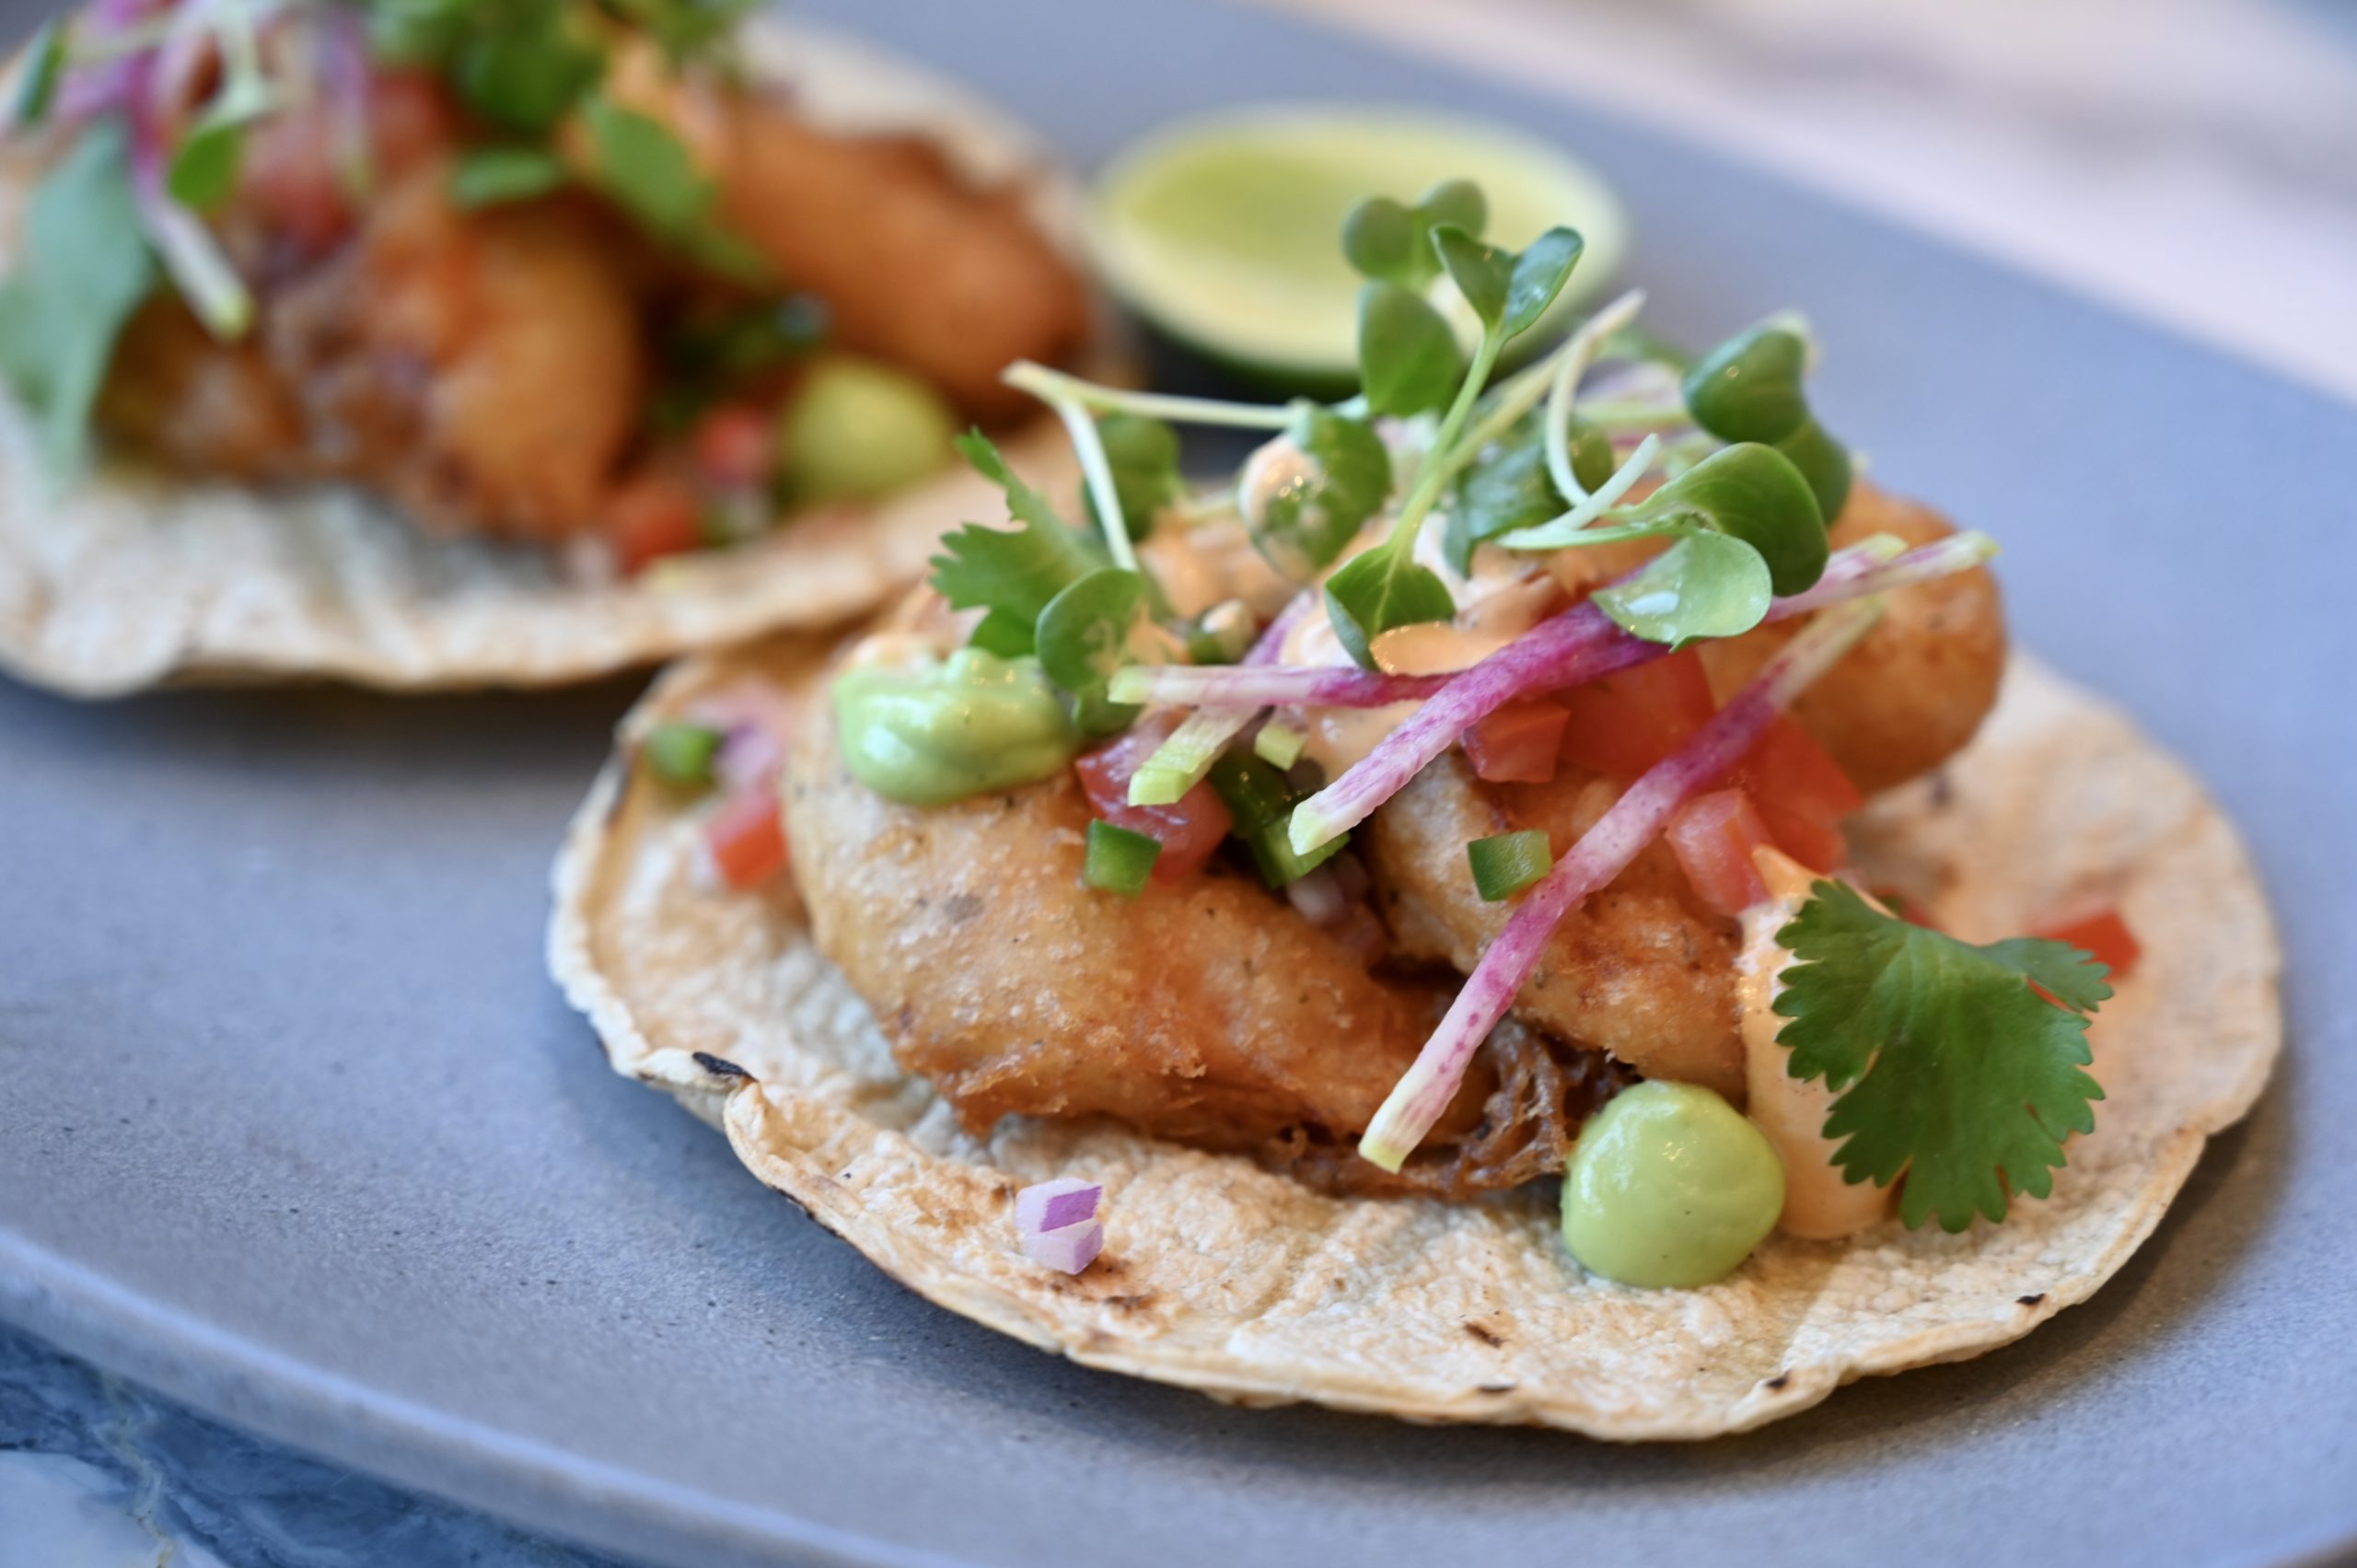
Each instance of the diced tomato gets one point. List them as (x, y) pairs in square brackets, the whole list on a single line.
[(408, 119), (1802, 794), (290, 176), (1789, 766), (1518, 744), (747, 837), (1626, 722), (2105, 936), (1714, 836), (736, 444), (1189, 829), (653, 515), (1674, 687)]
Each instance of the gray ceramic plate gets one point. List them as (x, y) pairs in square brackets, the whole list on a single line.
[(292, 1126)]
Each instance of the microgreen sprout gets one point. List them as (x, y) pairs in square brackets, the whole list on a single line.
[(1403, 371)]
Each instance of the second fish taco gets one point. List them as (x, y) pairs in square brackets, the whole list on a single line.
[(429, 344)]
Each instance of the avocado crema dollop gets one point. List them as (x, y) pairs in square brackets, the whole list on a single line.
[(934, 731), (1669, 1185)]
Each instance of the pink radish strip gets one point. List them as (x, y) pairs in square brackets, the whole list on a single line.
[(1859, 570), (1576, 646), (1605, 850), (1233, 686)]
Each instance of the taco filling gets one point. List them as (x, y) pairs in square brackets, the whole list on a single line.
[(1456, 797), (549, 270)]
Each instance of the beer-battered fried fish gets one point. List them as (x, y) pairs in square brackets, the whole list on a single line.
[(1644, 970), (1211, 1012)]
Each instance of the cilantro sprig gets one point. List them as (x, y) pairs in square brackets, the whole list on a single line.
[(1960, 1067), (1012, 574)]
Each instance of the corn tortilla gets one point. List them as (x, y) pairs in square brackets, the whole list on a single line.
[(1225, 1278)]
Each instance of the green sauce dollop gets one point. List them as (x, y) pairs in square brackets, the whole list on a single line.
[(928, 734), (1669, 1185)]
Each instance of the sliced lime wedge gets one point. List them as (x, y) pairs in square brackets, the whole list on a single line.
[(1225, 232)]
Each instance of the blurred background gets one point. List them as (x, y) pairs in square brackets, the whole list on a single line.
[(2193, 162)]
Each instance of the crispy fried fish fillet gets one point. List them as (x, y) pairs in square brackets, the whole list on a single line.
[(914, 265), (489, 369), (1641, 969), (1210, 1013)]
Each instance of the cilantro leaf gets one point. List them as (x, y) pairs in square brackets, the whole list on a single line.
[(1013, 573), (1949, 1069), (85, 267)]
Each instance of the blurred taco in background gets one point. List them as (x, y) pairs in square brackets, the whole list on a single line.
[(425, 343)]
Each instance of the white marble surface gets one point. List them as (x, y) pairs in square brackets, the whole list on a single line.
[(96, 1473), (2194, 161)]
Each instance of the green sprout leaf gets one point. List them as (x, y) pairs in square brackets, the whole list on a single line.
[(1379, 241), (83, 269), (1308, 493), (1013, 573), (1538, 275), (1505, 488), (1748, 388), (1144, 456), (1376, 591), (523, 68), (1083, 633), (1706, 584), (489, 176), (1507, 291), (1950, 1069), (1387, 241), (1408, 357), (37, 79), (1823, 462), (1754, 493), (1454, 203), (1481, 273)]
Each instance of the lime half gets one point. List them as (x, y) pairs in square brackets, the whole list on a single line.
[(1225, 232)]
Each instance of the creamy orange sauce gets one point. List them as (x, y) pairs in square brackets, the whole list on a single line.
[(1503, 598), (1210, 562), (1819, 1205)]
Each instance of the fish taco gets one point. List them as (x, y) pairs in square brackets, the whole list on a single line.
[(426, 345), (1542, 899)]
